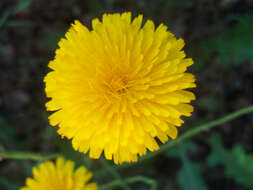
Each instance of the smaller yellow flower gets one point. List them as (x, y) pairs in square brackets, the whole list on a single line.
[(59, 176)]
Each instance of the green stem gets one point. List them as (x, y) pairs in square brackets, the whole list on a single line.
[(191, 133), (115, 174), (130, 180), (196, 130), (27, 155)]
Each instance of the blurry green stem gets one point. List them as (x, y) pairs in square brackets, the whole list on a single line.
[(130, 180), (113, 171), (196, 130), (26, 155)]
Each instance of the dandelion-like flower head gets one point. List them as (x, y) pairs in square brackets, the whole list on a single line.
[(59, 176), (119, 87)]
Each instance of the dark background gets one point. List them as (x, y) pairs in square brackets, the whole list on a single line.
[(219, 37)]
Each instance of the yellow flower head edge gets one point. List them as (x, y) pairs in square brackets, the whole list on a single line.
[(59, 176), (119, 87)]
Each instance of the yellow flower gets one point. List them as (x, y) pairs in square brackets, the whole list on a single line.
[(118, 87), (59, 176)]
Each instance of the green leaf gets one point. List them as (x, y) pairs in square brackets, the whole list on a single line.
[(189, 176), (22, 6), (4, 17), (238, 164)]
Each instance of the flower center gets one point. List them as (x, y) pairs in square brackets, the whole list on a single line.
[(116, 85)]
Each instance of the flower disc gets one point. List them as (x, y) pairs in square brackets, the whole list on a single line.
[(119, 87)]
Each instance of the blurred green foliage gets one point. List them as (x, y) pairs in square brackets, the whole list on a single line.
[(232, 46), (21, 6), (189, 177), (237, 164)]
